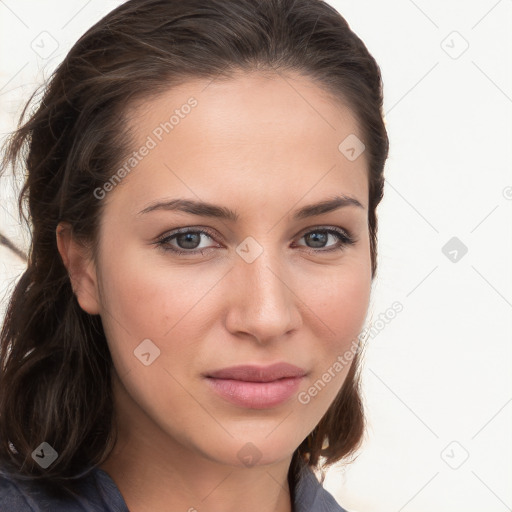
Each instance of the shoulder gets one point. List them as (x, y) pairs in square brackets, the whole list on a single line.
[(90, 493), (11, 496), (310, 496)]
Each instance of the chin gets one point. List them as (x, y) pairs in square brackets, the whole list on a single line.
[(251, 453)]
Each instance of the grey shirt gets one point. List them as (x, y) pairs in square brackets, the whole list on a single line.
[(97, 492)]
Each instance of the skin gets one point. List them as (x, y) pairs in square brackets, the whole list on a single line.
[(264, 146)]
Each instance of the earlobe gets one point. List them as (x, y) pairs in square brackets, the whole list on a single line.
[(81, 268)]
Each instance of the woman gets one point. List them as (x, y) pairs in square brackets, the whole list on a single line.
[(202, 184)]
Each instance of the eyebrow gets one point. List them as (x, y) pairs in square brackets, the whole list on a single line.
[(211, 210)]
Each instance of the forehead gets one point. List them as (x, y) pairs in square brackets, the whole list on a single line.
[(252, 133)]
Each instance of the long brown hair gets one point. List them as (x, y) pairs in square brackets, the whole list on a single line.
[(55, 366)]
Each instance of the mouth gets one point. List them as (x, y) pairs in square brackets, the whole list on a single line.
[(256, 387)]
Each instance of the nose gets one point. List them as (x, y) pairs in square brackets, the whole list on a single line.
[(262, 303)]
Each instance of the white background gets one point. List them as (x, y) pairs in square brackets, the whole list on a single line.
[(436, 379)]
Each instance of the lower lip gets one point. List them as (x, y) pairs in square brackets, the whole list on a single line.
[(255, 395)]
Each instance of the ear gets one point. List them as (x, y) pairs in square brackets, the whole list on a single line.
[(81, 268)]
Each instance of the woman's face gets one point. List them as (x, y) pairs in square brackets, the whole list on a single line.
[(269, 286)]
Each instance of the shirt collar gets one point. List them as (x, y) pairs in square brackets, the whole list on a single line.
[(310, 496)]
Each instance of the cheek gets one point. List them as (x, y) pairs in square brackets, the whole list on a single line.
[(149, 299), (341, 308), (341, 300), (347, 308), (340, 304), (160, 302)]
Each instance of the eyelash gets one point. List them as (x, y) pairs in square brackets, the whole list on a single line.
[(344, 237)]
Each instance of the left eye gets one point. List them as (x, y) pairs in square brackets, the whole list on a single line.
[(189, 241), (320, 236)]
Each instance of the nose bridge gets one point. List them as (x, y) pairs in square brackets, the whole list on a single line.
[(264, 304)]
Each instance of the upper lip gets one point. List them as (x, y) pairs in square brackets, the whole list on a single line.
[(252, 373)]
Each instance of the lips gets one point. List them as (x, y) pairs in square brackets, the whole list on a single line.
[(250, 373), (256, 387)]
